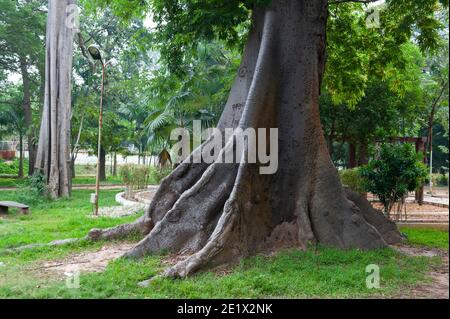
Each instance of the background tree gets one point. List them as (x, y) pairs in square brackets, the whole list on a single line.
[(392, 106), (436, 91), (53, 154), (21, 52), (12, 120), (397, 170)]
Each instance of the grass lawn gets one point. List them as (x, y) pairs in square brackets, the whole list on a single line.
[(10, 181), (426, 237), (322, 273)]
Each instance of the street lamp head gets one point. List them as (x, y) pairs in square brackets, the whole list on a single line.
[(94, 51)]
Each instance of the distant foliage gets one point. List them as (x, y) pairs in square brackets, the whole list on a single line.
[(440, 179), (158, 174), (352, 178), (33, 190), (11, 167), (396, 171)]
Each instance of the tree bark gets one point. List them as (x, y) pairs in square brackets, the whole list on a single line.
[(72, 168), (28, 115), (363, 156), (102, 164), (218, 213), (114, 170), (20, 174), (351, 155), (331, 136), (53, 154)]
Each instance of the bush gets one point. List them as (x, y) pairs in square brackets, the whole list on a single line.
[(352, 178), (135, 177), (33, 190), (440, 179), (12, 167), (157, 175), (397, 171)]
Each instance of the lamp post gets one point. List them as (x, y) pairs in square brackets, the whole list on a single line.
[(95, 53)]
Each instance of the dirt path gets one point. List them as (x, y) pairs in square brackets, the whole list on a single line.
[(92, 261), (439, 287)]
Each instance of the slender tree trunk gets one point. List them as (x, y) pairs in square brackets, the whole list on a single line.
[(28, 113), (76, 148), (114, 172), (351, 155), (53, 154), (72, 167), (102, 164), (363, 156), (20, 174), (434, 106), (218, 212)]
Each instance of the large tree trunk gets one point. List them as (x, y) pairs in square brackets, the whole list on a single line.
[(53, 154), (28, 115), (219, 213)]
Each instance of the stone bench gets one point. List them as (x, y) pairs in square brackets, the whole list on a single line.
[(7, 204)]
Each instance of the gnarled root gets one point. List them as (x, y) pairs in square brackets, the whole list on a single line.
[(141, 226)]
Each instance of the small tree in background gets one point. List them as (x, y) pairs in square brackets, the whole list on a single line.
[(396, 171), (135, 177)]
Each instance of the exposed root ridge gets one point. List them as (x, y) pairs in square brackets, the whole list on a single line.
[(141, 226)]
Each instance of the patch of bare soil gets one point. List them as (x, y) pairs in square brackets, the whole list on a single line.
[(93, 261), (284, 235), (439, 287)]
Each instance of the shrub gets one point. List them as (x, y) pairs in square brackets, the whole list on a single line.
[(352, 178), (440, 179), (397, 171), (33, 189), (135, 177), (12, 167), (157, 174)]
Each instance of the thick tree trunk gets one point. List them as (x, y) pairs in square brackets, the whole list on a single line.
[(28, 113), (102, 164), (53, 154), (219, 213)]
